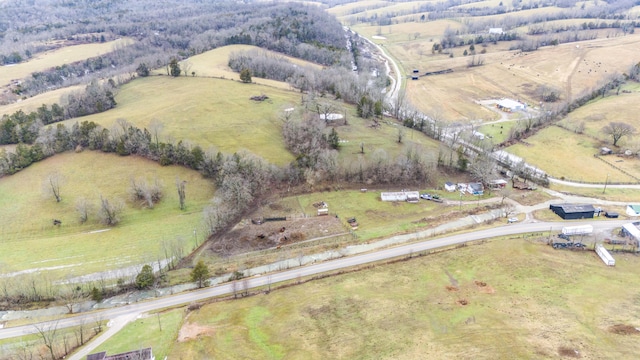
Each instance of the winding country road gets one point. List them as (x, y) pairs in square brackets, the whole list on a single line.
[(328, 266)]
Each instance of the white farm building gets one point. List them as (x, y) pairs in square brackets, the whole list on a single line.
[(509, 105), (410, 196)]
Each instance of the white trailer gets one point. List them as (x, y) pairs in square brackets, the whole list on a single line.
[(577, 230), (605, 256)]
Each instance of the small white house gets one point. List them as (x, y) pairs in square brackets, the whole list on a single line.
[(449, 186), (496, 31)]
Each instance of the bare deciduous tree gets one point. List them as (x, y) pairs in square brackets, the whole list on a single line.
[(181, 185), (618, 130), (110, 211), (482, 168), (70, 294), (51, 185), (145, 194), (83, 207), (47, 333)]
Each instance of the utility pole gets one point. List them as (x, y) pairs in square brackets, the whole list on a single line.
[(605, 184)]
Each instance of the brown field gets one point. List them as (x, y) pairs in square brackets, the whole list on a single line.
[(571, 68), (31, 104), (562, 153), (613, 108), (505, 299), (405, 33), (52, 58), (356, 7), (214, 64)]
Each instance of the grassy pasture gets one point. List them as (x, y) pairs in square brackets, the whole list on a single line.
[(214, 64), (560, 152), (499, 132), (384, 138), (612, 194), (76, 249), (403, 32), (208, 112), (31, 104), (395, 9), (486, 4), (568, 68), (529, 301), (57, 57), (356, 7), (499, 18), (158, 331), (600, 112), (377, 218)]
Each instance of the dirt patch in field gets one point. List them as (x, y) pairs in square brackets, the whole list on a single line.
[(452, 288), (622, 329), (483, 287), (191, 331), (568, 352), (250, 236), (463, 302)]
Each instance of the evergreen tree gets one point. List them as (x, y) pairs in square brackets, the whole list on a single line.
[(174, 68), (145, 279), (200, 274), (333, 139), (245, 76), (142, 70)]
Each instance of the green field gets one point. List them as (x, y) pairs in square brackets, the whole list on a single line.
[(64, 55), (377, 218), (500, 300), (33, 103), (73, 248), (158, 331), (214, 63), (562, 153), (207, 112)]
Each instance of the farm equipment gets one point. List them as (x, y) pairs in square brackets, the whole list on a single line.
[(568, 245), (354, 224)]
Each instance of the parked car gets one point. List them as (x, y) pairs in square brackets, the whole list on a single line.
[(512, 220), (425, 196)]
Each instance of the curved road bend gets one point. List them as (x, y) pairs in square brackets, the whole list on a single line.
[(332, 265)]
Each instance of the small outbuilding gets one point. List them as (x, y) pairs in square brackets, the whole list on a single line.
[(142, 354), (498, 184), (633, 210), (573, 211), (475, 188), (400, 196), (449, 186)]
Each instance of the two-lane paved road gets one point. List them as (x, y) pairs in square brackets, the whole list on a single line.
[(332, 265)]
